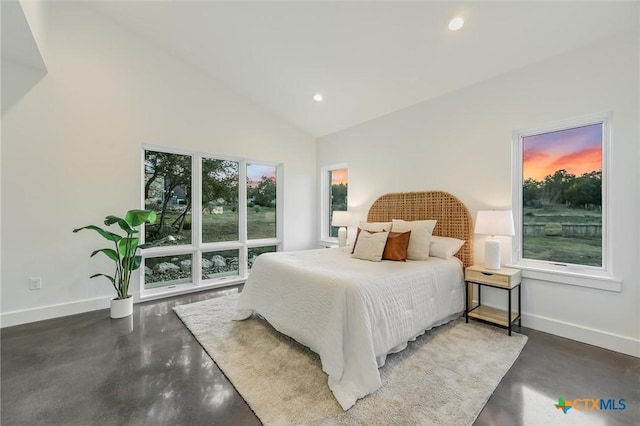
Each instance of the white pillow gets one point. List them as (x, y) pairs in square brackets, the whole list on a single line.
[(370, 246), (375, 226), (444, 247), (420, 236)]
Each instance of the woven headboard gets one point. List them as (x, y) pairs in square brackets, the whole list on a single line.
[(454, 219)]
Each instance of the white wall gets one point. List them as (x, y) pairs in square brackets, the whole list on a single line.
[(72, 154), (22, 64), (461, 143)]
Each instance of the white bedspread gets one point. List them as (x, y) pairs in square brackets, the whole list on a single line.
[(351, 312)]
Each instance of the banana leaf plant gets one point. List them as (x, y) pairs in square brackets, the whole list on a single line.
[(126, 247)]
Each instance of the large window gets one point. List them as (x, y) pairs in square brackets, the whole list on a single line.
[(560, 196), (334, 188), (210, 227)]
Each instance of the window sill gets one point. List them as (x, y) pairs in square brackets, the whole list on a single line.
[(600, 282), (328, 243), (163, 292)]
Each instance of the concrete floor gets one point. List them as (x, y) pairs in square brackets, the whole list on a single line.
[(149, 370)]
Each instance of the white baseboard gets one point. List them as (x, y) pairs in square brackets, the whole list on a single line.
[(579, 333), (23, 316), (591, 336)]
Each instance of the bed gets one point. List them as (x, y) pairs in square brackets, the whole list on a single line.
[(352, 312)]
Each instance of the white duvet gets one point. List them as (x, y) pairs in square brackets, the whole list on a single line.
[(351, 312)]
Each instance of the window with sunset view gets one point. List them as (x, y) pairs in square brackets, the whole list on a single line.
[(560, 206), (335, 185)]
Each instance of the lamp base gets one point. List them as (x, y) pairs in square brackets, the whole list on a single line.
[(342, 236), (492, 253)]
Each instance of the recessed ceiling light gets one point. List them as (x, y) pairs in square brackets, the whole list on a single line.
[(456, 23), (317, 97)]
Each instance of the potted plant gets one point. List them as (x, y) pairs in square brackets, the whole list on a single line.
[(124, 254)]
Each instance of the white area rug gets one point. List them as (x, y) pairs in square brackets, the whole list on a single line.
[(445, 377)]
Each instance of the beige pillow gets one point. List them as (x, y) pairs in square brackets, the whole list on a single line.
[(444, 247), (370, 246), (371, 227), (375, 226), (421, 231)]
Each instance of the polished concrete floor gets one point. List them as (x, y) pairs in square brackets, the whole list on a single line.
[(87, 369)]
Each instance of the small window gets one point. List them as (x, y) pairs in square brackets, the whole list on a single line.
[(334, 193), (220, 264), (167, 271), (560, 196)]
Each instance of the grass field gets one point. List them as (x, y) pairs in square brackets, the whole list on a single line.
[(224, 227), (585, 250), (580, 251), (561, 214)]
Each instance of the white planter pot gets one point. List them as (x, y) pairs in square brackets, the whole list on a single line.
[(121, 308)]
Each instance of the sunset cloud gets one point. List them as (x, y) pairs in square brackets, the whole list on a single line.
[(255, 172), (540, 165), (577, 150), (531, 156), (580, 162), (339, 176)]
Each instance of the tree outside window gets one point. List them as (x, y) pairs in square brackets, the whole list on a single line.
[(167, 190), (220, 231)]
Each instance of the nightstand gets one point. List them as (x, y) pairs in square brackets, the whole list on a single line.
[(506, 279)]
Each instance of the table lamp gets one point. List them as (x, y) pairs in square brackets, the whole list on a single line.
[(494, 223), (342, 219)]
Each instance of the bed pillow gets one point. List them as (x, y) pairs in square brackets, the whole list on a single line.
[(396, 246), (371, 227), (444, 247), (370, 246), (420, 236), (375, 226)]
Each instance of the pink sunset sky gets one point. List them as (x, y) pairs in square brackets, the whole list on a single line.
[(256, 171), (339, 176), (577, 150)]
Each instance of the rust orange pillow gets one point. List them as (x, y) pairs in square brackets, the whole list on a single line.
[(396, 247)]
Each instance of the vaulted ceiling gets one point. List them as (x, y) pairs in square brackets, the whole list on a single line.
[(366, 58)]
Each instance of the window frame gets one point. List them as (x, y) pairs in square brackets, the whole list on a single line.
[(196, 247), (325, 202), (600, 277)]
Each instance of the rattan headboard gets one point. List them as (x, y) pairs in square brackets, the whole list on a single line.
[(454, 219)]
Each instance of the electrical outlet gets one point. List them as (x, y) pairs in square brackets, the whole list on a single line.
[(35, 283)]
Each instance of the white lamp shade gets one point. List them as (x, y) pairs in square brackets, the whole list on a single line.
[(494, 222), (341, 218)]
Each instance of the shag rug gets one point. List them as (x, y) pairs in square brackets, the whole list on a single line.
[(444, 377)]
